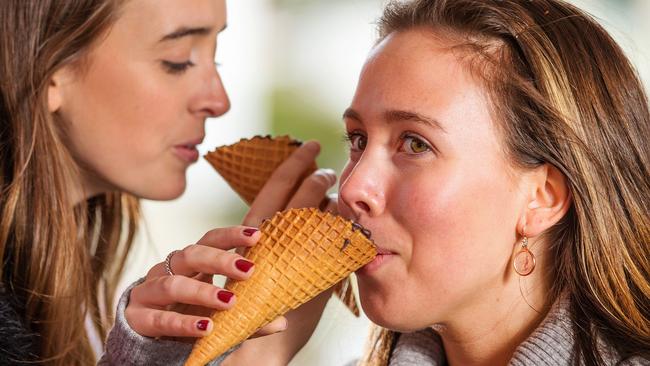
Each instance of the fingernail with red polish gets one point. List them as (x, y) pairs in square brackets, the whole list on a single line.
[(202, 324), (225, 296), (250, 231), (243, 265)]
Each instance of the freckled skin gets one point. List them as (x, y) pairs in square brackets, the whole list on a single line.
[(449, 215)]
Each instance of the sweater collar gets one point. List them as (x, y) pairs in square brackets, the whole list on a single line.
[(551, 343)]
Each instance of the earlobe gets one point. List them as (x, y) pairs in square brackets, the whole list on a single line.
[(551, 199)]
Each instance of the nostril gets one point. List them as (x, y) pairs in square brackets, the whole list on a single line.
[(364, 206)]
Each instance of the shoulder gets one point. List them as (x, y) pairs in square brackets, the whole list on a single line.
[(553, 343), (17, 343)]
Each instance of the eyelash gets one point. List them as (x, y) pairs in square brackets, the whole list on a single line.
[(175, 68), (409, 135), (351, 136)]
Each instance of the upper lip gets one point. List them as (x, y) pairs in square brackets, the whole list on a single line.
[(376, 238), (192, 143), (381, 250), (376, 234)]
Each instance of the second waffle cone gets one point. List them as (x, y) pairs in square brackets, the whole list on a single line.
[(249, 163), (301, 253)]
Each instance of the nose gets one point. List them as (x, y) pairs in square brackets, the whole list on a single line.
[(363, 190), (214, 100)]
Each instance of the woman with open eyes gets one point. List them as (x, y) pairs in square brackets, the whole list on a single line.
[(499, 155)]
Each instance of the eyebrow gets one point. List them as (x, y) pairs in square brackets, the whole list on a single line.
[(394, 115), (187, 32)]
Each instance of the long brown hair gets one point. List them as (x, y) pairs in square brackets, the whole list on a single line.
[(60, 261), (563, 93)]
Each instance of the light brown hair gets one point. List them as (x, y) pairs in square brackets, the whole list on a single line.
[(563, 93), (60, 261)]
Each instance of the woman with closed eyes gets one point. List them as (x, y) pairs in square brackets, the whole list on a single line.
[(103, 102)]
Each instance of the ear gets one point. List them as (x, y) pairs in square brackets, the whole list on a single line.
[(55, 89), (550, 201)]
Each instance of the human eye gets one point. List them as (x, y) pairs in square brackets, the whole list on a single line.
[(176, 68), (357, 141), (413, 144)]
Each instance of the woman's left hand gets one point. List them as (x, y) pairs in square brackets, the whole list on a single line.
[(176, 305)]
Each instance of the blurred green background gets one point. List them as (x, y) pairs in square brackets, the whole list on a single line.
[(290, 67)]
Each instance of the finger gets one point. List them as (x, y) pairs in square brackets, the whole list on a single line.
[(222, 238), (167, 290), (230, 237), (313, 189), (330, 203), (158, 323), (197, 258), (279, 324), (276, 192)]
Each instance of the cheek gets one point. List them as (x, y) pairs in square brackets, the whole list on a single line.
[(121, 110), (461, 227), (434, 208), (458, 206), (123, 125), (134, 102)]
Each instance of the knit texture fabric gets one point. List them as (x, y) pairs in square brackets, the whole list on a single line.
[(551, 344), (18, 345), (125, 347)]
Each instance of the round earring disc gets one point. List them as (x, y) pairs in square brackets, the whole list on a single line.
[(524, 262)]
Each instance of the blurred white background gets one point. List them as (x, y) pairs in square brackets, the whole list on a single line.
[(292, 66)]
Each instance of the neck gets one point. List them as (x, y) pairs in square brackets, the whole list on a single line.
[(488, 332), (89, 186)]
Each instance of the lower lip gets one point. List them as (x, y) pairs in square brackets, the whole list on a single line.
[(191, 155), (379, 261)]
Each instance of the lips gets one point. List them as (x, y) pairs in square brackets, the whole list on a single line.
[(192, 143), (384, 251), (187, 151), (383, 256), (368, 233)]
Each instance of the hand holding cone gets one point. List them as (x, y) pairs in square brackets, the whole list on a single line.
[(301, 253), (248, 164)]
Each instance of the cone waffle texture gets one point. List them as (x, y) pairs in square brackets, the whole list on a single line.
[(248, 164), (301, 253)]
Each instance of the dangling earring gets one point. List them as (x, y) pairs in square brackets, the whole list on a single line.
[(524, 262)]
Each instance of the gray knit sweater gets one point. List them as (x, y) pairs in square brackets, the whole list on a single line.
[(125, 347), (550, 344)]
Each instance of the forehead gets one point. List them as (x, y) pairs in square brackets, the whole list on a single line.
[(149, 18), (419, 55), (419, 71)]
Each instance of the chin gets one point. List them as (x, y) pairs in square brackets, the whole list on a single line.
[(392, 319), (387, 318), (163, 192), (375, 306)]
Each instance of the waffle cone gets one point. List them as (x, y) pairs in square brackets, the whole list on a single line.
[(301, 253), (248, 164)]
